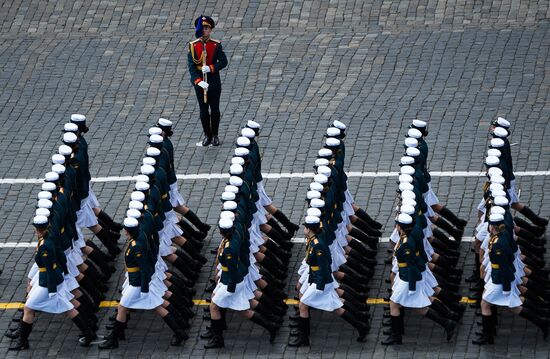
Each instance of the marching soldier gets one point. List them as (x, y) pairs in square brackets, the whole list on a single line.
[(205, 61)]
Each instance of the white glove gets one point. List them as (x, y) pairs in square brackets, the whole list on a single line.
[(203, 84), (411, 292), (506, 293), (51, 295), (205, 69)]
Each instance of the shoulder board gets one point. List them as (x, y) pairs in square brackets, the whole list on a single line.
[(133, 243), (316, 241), (193, 41), (216, 41)]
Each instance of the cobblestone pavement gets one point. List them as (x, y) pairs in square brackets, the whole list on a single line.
[(293, 66)]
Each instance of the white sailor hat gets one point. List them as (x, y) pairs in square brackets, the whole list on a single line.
[(225, 223), (332, 142), (496, 219), (130, 223), (313, 194), (312, 221), (408, 194), (228, 196), (241, 151), (235, 181), (404, 219), (40, 221), (317, 203), (404, 186), (48, 186), (498, 193), (321, 162), (142, 186), (65, 150), (492, 161), (494, 171), (236, 169), (253, 124), (69, 137), (237, 161), (243, 141), (414, 133), (70, 127), (51, 177), (76, 117), (411, 142), (155, 131), (135, 205), (147, 169), (405, 179), (44, 195), (142, 178), (406, 209), (137, 196), (419, 123), (153, 152), (407, 170), (497, 142), (313, 212), (58, 159), (324, 170), (314, 186), (42, 212), (45, 203), (133, 213), (231, 188), (248, 133), (149, 161), (164, 122), (229, 205), (319, 178), (500, 132), (502, 122), (155, 139), (333, 132), (227, 214), (324, 153), (338, 124), (498, 210), (408, 202), (413, 152), (501, 201), (497, 179), (493, 152), (59, 169), (496, 187), (407, 160)]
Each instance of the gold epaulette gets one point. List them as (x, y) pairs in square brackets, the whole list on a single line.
[(315, 241), (216, 41), (133, 243), (193, 41)]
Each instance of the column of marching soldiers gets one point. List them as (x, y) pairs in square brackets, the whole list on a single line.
[(69, 273)]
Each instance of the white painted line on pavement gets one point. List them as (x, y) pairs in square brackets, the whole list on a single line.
[(209, 176)]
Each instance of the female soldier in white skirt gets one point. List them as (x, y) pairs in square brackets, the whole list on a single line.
[(410, 289), (318, 287), (501, 288), (232, 291), (137, 293), (48, 294)]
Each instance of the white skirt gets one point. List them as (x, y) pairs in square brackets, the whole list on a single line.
[(481, 206), (514, 198), (33, 271), (171, 216), (394, 237), (239, 300), (132, 298), (419, 299), (493, 294), (259, 217), (85, 215), (176, 199), (264, 198), (72, 260), (349, 197), (80, 242), (70, 282), (92, 197), (429, 278), (338, 257), (430, 197), (327, 299), (39, 300)]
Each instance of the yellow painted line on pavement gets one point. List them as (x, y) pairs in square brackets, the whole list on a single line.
[(202, 302)]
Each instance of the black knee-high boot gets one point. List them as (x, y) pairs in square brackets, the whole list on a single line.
[(535, 319), (278, 238), (362, 297), (395, 336), (364, 261), (292, 228), (185, 270), (273, 223), (537, 231), (191, 263), (530, 237), (22, 341), (264, 322), (364, 227), (361, 306), (362, 248), (192, 217), (444, 225), (94, 246), (362, 237), (179, 333), (274, 248), (108, 239), (89, 335), (362, 328), (272, 267), (457, 222), (450, 267), (89, 287), (190, 231), (448, 325), (216, 340), (455, 245), (302, 336), (102, 262), (109, 222), (475, 274), (538, 221), (487, 336), (361, 213)]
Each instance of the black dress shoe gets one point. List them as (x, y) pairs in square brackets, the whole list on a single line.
[(215, 141), (206, 141)]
